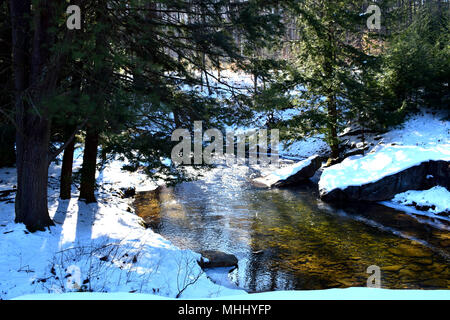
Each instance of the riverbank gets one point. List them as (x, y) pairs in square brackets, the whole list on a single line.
[(100, 247), (403, 151), (331, 294)]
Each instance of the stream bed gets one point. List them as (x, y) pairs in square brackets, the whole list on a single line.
[(288, 239)]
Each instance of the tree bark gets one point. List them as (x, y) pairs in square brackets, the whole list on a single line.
[(332, 127), (31, 198), (33, 126), (89, 168)]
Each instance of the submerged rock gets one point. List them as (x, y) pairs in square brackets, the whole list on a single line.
[(147, 206), (217, 259), (291, 175)]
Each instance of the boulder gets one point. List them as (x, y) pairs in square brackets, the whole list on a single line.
[(217, 259), (290, 175), (420, 177), (128, 192)]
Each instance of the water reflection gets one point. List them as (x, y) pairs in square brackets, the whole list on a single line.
[(288, 239)]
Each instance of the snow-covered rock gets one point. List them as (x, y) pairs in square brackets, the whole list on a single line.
[(291, 174), (381, 175), (435, 200)]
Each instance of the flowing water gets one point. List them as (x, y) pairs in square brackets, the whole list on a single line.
[(290, 239)]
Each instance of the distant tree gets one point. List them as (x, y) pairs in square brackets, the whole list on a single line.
[(7, 130), (169, 49), (329, 69), (416, 62)]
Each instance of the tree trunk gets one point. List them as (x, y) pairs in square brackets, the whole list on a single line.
[(332, 113), (31, 198), (33, 126), (332, 127), (65, 186), (89, 168)]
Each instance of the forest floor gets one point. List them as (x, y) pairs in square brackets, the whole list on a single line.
[(104, 247)]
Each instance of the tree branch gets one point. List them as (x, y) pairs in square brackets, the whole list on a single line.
[(53, 155)]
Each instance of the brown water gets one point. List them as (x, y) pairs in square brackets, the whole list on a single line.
[(289, 239)]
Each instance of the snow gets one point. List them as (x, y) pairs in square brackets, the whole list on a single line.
[(360, 170), (438, 196), (330, 294), (305, 148), (425, 129), (284, 173), (101, 247), (422, 138)]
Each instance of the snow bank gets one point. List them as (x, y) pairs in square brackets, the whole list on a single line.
[(427, 129), (100, 247), (360, 170), (331, 294), (437, 199)]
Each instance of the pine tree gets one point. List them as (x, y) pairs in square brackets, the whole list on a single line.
[(7, 130), (329, 70), (416, 62)]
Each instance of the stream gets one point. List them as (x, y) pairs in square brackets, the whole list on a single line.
[(288, 239)]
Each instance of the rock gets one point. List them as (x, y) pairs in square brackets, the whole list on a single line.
[(424, 261), (128, 192), (445, 243), (356, 152), (413, 178), (302, 171), (407, 274), (217, 259), (434, 283), (403, 250), (393, 268)]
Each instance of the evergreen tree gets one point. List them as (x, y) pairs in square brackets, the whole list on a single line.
[(326, 80), (7, 130), (416, 62)]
